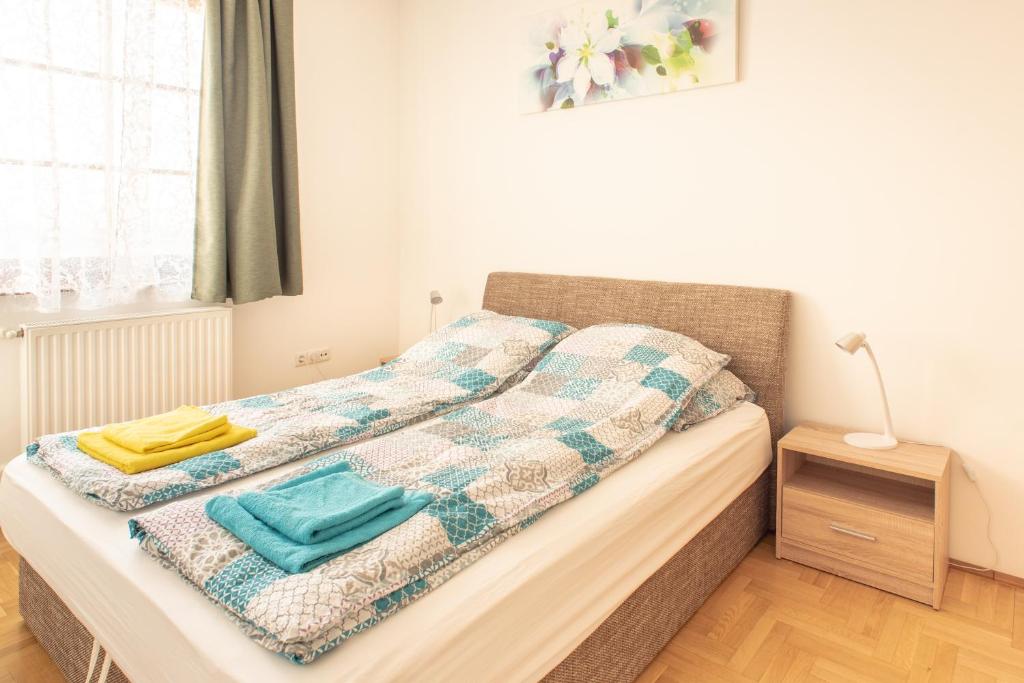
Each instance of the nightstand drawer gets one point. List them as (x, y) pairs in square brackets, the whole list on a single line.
[(889, 543)]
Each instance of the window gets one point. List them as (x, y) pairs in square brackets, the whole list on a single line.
[(99, 103)]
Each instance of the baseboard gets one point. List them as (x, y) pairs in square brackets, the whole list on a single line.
[(1008, 579), (1001, 577)]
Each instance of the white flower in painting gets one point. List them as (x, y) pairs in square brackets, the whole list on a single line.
[(588, 47)]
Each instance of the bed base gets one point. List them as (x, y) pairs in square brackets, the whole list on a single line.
[(628, 640), (68, 643), (619, 650)]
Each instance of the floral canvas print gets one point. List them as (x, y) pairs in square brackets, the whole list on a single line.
[(617, 49)]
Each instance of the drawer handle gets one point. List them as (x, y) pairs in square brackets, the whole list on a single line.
[(851, 532)]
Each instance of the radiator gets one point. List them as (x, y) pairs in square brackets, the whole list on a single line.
[(83, 373)]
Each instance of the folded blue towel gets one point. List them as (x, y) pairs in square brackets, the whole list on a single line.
[(321, 504), (294, 557)]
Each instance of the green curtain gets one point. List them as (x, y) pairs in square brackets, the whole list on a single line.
[(247, 195)]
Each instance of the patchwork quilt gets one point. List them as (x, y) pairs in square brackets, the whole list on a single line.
[(722, 392), (594, 403), (465, 361)]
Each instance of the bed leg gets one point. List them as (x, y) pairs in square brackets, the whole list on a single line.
[(92, 659), (105, 669)]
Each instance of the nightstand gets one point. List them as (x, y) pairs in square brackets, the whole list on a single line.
[(876, 517)]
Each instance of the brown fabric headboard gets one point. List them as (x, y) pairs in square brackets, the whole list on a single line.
[(749, 324)]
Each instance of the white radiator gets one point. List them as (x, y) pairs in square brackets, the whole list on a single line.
[(85, 373)]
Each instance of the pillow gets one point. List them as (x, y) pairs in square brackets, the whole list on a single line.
[(495, 349), (606, 363), (520, 375), (722, 392)]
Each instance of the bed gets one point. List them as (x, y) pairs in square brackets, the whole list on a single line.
[(628, 579)]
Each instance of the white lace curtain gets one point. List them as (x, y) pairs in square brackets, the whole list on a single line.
[(98, 135)]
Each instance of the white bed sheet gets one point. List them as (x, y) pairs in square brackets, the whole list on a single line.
[(511, 616)]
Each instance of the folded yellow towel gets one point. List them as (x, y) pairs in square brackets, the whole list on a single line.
[(181, 427), (130, 462)]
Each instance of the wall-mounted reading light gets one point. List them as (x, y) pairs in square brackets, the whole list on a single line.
[(435, 301)]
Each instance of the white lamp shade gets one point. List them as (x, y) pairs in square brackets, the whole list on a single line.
[(851, 342)]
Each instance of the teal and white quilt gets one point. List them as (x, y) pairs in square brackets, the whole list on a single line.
[(594, 403), (465, 361)]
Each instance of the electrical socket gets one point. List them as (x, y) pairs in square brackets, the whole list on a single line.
[(312, 357)]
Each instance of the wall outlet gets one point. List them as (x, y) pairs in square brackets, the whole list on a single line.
[(312, 357)]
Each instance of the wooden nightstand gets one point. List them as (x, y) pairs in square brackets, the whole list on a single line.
[(877, 517)]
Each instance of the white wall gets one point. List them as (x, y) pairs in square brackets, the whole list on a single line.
[(348, 163), (347, 103), (870, 160)]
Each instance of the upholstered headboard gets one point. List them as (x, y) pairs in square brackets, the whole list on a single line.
[(749, 324)]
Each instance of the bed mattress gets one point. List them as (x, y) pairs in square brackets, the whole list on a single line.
[(513, 615)]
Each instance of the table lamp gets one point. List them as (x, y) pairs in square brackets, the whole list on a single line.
[(851, 343)]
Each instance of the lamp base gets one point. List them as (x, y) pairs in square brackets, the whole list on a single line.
[(875, 442)]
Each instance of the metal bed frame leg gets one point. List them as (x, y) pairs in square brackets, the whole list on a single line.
[(93, 657), (105, 668)]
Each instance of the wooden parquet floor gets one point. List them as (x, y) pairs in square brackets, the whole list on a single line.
[(774, 620), (770, 620)]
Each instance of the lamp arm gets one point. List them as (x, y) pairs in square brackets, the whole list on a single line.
[(881, 389)]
